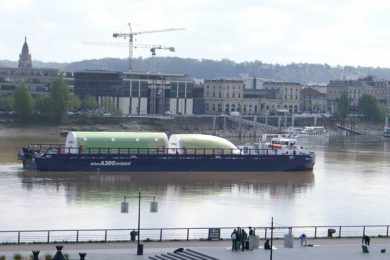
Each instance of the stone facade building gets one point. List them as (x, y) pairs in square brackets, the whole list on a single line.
[(313, 101), (25, 62), (355, 89), (222, 96)]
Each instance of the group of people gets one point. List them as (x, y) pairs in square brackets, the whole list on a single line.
[(241, 240)]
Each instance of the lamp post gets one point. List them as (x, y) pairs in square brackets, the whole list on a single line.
[(272, 238), (125, 209)]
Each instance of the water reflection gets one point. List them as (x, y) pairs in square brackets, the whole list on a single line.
[(83, 186)]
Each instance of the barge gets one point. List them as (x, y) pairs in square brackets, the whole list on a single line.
[(154, 152)]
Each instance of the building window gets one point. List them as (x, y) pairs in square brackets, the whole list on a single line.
[(213, 107), (227, 108), (220, 107)]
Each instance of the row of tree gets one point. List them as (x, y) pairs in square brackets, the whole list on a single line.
[(368, 106), (52, 108)]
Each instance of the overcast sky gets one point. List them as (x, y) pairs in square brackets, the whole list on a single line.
[(345, 32)]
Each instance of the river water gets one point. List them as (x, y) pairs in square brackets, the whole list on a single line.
[(350, 184)]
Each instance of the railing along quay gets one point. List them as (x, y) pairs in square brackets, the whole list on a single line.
[(183, 234)]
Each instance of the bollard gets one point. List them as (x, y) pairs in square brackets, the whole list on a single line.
[(35, 254), (82, 256), (59, 255)]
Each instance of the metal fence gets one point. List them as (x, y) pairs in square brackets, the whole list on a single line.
[(184, 234)]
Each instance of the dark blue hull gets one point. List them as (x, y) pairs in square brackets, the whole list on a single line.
[(172, 163)]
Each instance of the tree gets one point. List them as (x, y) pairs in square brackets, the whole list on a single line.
[(74, 103), (23, 103), (89, 103), (7, 103), (59, 98), (371, 109), (343, 106), (42, 105)]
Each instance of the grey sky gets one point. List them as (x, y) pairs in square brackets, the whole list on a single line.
[(346, 32)]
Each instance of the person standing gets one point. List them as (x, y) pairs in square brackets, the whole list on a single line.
[(244, 237), (234, 240), (251, 231), (239, 237)]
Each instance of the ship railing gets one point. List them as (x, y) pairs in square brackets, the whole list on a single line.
[(62, 149), (185, 233)]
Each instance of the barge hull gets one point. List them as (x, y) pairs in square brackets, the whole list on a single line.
[(157, 163)]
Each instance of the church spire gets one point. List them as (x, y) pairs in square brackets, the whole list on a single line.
[(25, 62)]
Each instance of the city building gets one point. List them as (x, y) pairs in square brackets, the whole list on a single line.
[(37, 79), (222, 96), (313, 101), (288, 94), (355, 89), (137, 93)]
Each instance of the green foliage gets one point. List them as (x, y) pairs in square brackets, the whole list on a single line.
[(42, 105), (17, 257), (3, 257), (23, 103), (89, 103), (371, 109), (48, 257), (6, 103), (343, 106), (59, 98), (74, 103)]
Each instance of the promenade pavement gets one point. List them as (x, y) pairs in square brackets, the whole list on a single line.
[(334, 249)]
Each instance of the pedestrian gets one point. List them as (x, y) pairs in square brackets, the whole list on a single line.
[(244, 237), (234, 240), (302, 238), (251, 231), (238, 240), (366, 240), (267, 245)]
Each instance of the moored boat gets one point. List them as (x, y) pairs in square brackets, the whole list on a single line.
[(386, 132), (141, 152)]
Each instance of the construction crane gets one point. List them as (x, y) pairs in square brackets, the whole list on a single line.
[(153, 48), (131, 37)]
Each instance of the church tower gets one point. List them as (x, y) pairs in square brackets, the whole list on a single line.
[(25, 63)]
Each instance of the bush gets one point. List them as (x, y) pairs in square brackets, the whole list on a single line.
[(17, 257), (47, 257)]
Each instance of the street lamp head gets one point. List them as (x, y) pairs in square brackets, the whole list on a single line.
[(124, 206), (154, 205)]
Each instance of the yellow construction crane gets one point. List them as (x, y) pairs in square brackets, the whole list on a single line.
[(131, 37)]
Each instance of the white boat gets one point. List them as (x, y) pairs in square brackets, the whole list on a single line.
[(386, 131), (313, 131), (280, 144)]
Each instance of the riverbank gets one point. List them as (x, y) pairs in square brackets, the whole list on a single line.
[(343, 249), (226, 127)]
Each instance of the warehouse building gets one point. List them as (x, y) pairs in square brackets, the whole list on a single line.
[(137, 93)]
